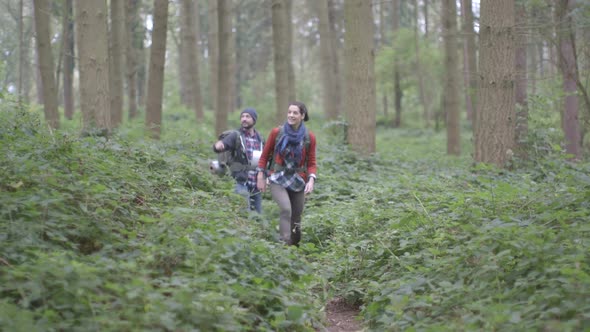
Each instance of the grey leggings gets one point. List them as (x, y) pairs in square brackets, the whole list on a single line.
[(291, 205)]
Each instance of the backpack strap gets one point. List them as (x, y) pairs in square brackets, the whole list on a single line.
[(240, 147)]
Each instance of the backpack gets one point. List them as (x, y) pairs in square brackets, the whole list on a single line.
[(226, 158), (231, 159), (306, 142)]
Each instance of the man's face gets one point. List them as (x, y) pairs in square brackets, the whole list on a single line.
[(247, 121)]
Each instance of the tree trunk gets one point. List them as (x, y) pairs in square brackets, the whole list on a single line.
[(49, 91), (335, 65), (426, 17), (469, 60), (520, 94), (494, 127), (21, 49), (189, 41), (569, 71), (328, 79), (359, 64), (117, 47), (93, 53), (213, 42), (132, 23), (156, 69), (223, 65), (281, 57), (68, 59), (451, 87), (397, 88), (184, 77), (289, 31), (423, 100)]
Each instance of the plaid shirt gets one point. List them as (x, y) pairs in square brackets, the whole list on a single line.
[(251, 143), (289, 178)]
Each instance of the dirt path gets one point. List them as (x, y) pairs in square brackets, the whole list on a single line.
[(342, 317)]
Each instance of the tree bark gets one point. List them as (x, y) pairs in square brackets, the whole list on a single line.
[(451, 87), (93, 52), (326, 59), (213, 43), (281, 57), (495, 124), (397, 88), (469, 59), (156, 69), (223, 66), (46, 65), (189, 41), (132, 23), (421, 90), (68, 59), (335, 64), (117, 47), (568, 66), (21, 48), (520, 94), (359, 64), (289, 43)]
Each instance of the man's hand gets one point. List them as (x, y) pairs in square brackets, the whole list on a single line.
[(219, 146)]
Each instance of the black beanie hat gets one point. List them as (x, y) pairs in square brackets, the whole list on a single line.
[(252, 113)]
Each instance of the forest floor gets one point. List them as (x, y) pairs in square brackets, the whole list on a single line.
[(342, 317)]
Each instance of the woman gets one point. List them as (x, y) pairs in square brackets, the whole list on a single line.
[(290, 154)]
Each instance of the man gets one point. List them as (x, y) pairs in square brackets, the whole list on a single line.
[(245, 145)]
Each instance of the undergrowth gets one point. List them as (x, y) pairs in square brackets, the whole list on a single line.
[(118, 233)]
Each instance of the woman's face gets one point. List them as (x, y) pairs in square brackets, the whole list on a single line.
[(294, 116)]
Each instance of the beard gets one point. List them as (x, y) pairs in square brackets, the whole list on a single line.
[(247, 126)]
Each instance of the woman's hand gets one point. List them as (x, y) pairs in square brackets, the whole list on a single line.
[(261, 182), (309, 185)]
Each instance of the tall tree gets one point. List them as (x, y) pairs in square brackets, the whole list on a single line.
[(93, 54), (397, 87), (326, 53), (117, 48), (189, 41), (451, 83), (213, 51), (335, 64), (223, 66), (131, 54), (359, 68), (520, 93), (494, 127), (289, 43), (68, 59), (424, 100), (426, 19), (46, 65), (21, 48), (469, 58), (568, 66), (281, 57), (155, 91)]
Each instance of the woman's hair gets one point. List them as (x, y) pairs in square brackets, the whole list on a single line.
[(302, 109)]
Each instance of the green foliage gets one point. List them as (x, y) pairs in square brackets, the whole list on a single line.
[(424, 242), (101, 234), (404, 52), (122, 233)]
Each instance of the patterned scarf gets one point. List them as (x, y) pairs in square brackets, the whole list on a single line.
[(291, 144)]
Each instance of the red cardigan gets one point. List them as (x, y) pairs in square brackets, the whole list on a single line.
[(269, 149)]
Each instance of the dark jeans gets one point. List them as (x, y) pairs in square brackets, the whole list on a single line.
[(254, 198), (291, 208)]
